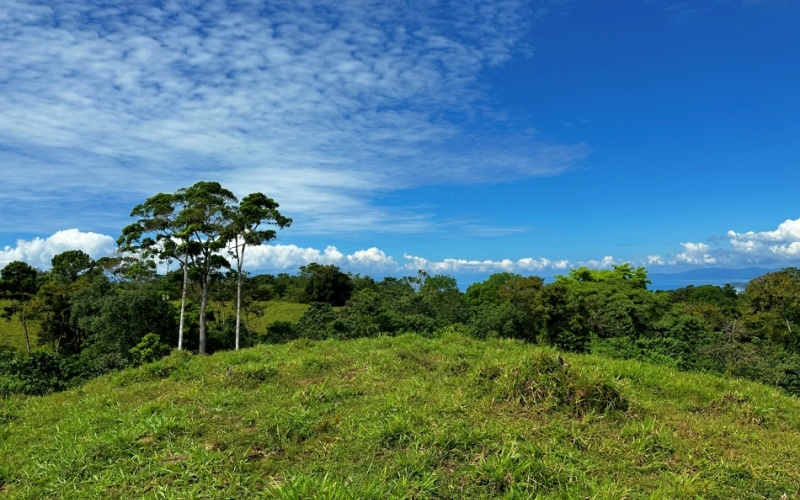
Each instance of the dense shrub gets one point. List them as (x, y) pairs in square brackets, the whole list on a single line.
[(546, 382)]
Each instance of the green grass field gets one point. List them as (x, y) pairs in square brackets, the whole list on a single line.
[(403, 417), (275, 310), (11, 333)]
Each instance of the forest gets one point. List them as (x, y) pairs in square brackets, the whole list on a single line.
[(83, 318)]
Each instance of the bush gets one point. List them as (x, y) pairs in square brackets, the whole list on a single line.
[(149, 349), (316, 322), (279, 332), (34, 374), (548, 382)]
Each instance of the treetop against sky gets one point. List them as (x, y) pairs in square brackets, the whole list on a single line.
[(458, 137)]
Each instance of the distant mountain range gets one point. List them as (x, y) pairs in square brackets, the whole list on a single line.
[(707, 276), (665, 281)]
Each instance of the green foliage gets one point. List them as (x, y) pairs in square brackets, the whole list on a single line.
[(245, 228), (37, 373), (68, 266), (149, 349), (193, 226), (579, 307), (326, 283), (319, 322), (116, 321), (498, 319), (279, 332), (772, 307), (52, 307), (18, 281), (441, 300), (489, 290), (620, 274)]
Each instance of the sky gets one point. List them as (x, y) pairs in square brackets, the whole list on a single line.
[(461, 137)]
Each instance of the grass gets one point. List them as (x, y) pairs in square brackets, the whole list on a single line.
[(275, 310), (403, 417), (12, 336)]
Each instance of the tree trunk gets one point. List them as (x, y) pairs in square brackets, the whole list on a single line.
[(239, 258), (25, 327), (203, 304), (238, 307), (183, 302)]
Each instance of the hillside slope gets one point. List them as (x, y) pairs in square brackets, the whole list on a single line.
[(12, 336), (401, 417)]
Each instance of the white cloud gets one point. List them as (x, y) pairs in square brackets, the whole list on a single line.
[(373, 258), (779, 247), (790, 251), (772, 248), (39, 252), (606, 262), (783, 241), (655, 260), (324, 105), (289, 257), (695, 253), (521, 266)]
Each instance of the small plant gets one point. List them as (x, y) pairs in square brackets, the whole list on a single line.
[(511, 471), (252, 372)]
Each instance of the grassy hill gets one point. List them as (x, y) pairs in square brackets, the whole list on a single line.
[(266, 313), (403, 417)]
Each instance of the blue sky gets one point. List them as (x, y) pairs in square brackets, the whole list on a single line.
[(463, 137)]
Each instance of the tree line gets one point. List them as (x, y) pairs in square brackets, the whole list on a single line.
[(97, 316)]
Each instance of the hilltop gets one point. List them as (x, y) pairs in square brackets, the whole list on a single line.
[(405, 417)]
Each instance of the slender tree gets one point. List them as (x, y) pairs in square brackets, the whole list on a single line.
[(206, 215), (246, 228), (161, 233)]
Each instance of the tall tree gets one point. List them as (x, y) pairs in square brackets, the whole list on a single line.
[(247, 219), (18, 283), (70, 265), (72, 271), (161, 232), (772, 306), (326, 283), (206, 216)]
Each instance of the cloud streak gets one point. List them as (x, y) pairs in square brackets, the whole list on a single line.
[(323, 105)]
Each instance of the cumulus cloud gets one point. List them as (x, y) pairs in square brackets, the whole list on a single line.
[(783, 241), (654, 260), (778, 247), (289, 257), (525, 265), (773, 248), (695, 253), (277, 258), (323, 104), (40, 251), (372, 258)]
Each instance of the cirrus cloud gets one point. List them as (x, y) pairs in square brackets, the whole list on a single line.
[(326, 105)]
